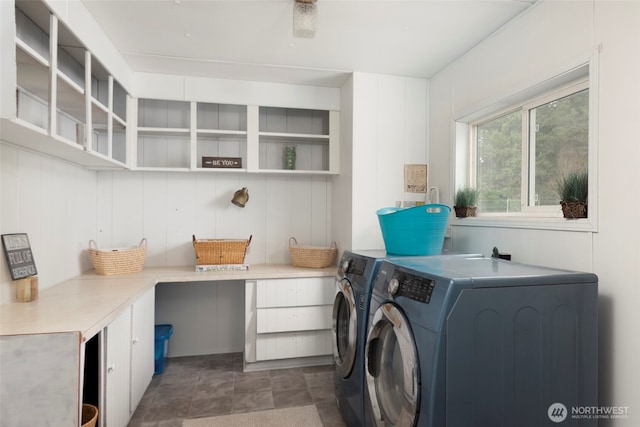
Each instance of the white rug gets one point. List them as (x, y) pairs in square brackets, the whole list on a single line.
[(297, 416)]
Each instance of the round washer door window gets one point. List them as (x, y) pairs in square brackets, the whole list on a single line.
[(345, 326), (391, 366)]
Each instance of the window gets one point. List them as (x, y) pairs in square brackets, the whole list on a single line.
[(518, 154)]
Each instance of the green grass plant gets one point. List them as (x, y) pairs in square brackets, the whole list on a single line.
[(467, 196), (573, 187)]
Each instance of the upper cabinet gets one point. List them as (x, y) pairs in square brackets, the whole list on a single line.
[(200, 136), (297, 140), (66, 102), (178, 135), (63, 101)]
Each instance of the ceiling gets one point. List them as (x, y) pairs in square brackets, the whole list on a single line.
[(253, 39)]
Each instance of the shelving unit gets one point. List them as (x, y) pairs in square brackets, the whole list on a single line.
[(307, 131), (221, 131), (164, 134), (67, 103), (176, 135)]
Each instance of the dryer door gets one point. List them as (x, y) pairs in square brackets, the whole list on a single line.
[(345, 327), (392, 372)]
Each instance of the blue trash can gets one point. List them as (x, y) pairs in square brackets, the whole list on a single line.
[(162, 334)]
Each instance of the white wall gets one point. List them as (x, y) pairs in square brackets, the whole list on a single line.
[(54, 202), (388, 130), (549, 39), (167, 208)]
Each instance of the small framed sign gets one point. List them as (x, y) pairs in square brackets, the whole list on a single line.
[(17, 251), (222, 162), (415, 178)]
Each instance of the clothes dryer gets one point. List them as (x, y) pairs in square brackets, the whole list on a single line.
[(461, 341), (356, 271)]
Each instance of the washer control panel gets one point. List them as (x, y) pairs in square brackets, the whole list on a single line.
[(355, 266), (409, 286)]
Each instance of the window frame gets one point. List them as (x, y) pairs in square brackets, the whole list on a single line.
[(582, 76), (527, 163)]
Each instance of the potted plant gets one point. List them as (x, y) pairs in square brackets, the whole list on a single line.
[(573, 189), (466, 202)]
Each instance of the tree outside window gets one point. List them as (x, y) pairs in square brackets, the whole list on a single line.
[(520, 154)]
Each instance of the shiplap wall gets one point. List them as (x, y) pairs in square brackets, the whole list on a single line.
[(513, 60), (54, 202), (167, 208)]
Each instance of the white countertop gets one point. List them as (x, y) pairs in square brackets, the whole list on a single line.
[(87, 303)]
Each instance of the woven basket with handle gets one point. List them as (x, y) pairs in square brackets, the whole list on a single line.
[(118, 261), (89, 415), (312, 256), (220, 251)]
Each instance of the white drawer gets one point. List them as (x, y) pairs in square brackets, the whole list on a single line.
[(294, 318), (293, 344), (295, 292)]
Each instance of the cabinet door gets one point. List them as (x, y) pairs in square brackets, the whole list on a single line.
[(39, 379), (142, 346), (118, 371)]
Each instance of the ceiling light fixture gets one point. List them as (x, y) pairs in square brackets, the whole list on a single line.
[(305, 14)]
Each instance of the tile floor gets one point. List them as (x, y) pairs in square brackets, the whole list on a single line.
[(206, 386)]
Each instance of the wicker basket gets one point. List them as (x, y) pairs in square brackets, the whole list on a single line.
[(220, 251), (574, 210), (312, 256), (118, 261), (89, 415)]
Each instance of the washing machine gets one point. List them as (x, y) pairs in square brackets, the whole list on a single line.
[(474, 341), (356, 271)]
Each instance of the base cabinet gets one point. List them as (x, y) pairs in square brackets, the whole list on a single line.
[(129, 360), (117, 371), (142, 347), (288, 319), (39, 380)]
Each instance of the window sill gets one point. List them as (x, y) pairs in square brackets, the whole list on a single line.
[(527, 222)]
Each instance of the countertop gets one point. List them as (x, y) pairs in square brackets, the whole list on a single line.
[(89, 302)]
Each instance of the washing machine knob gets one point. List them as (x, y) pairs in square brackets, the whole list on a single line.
[(394, 286), (345, 267)]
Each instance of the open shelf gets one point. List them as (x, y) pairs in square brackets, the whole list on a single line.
[(57, 103)]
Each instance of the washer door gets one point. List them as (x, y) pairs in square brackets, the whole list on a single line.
[(391, 365), (345, 327)]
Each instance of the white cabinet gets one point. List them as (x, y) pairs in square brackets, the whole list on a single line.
[(288, 318), (66, 102), (177, 135), (39, 379), (142, 346), (117, 371), (294, 139), (180, 135), (129, 360)]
